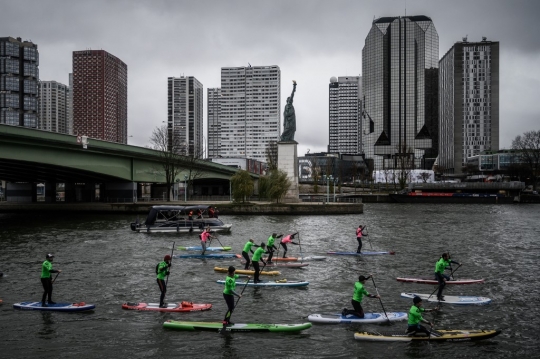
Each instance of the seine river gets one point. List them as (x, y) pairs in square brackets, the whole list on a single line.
[(105, 263)]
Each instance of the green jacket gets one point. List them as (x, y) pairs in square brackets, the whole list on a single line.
[(258, 254), (230, 284), (270, 242), (46, 269), (359, 292), (163, 270), (415, 315), (248, 246)]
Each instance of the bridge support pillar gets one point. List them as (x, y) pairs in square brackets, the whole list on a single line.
[(70, 192), (50, 192), (21, 192), (120, 192)]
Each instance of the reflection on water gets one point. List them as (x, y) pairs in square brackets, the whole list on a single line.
[(105, 263)]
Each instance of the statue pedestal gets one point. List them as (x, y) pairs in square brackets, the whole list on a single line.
[(288, 163)]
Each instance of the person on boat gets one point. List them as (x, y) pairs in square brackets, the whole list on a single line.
[(415, 318), (256, 258), (247, 248), (229, 293), (210, 212), (440, 266), (190, 216), (359, 292), (199, 214), (163, 270), (285, 240), (359, 234), (216, 212), (46, 281), (270, 245), (205, 236)]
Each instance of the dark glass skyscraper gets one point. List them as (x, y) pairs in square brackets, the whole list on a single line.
[(400, 92)]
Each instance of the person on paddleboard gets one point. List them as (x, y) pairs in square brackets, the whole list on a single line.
[(205, 236), (229, 293), (285, 240), (163, 270), (46, 280), (359, 234), (247, 248), (270, 245), (359, 292), (256, 258), (415, 318), (440, 266)]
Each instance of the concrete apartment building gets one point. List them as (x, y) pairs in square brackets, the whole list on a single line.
[(99, 96), (345, 108), (469, 103), (55, 107)]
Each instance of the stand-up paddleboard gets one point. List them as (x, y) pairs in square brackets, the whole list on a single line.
[(288, 259), (284, 264), (433, 281), (444, 335), (199, 248), (271, 283), (208, 256), (311, 258), (218, 326), (244, 271), (58, 307), (171, 307), (349, 318), (365, 253), (450, 299)]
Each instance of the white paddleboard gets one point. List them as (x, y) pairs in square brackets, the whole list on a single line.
[(450, 299)]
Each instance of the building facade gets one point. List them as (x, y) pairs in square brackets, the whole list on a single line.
[(19, 78), (214, 126), (250, 115), (399, 92), (469, 103), (185, 115), (99, 96), (54, 107), (345, 108)]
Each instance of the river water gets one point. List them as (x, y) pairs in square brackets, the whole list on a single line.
[(105, 263)]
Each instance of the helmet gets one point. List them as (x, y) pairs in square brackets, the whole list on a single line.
[(167, 258), (416, 300), (49, 256)]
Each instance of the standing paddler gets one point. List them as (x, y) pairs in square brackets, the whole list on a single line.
[(162, 271), (246, 250), (205, 236), (440, 266), (229, 293), (46, 281), (270, 245), (256, 258), (359, 234)]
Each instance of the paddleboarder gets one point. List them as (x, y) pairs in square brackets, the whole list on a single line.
[(163, 270), (285, 240), (359, 234), (440, 266), (229, 293), (359, 292), (247, 248), (256, 258), (206, 235), (415, 318), (46, 281), (270, 246)]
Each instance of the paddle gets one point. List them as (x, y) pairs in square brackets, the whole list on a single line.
[(451, 270), (454, 271), (235, 305), (300, 244), (380, 300), (216, 237), (57, 274), (172, 251)]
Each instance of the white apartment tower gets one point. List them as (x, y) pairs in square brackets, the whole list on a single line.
[(214, 126), (54, 107), (250, 110), (469, 102), (185, 115), (345, 115)]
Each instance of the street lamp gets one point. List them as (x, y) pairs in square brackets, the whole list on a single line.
[(185, 188), (328, 179), (335, 182)]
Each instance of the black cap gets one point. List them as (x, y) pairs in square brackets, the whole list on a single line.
[(48, 256), (361, 278), (231, 269), (416, 299)]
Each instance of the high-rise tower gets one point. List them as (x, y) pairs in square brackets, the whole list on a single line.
[(19, 77), (99, 96), (345, 115), (399, 85), (54, 108), (214, 126), (469, 102), (185, 115)]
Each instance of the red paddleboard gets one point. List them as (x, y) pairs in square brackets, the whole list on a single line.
[(432, 281), (171, 307)]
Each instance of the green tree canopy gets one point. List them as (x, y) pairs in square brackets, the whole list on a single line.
[(242, 186), (279, 185), (528, 147)]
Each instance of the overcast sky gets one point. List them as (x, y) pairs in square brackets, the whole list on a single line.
[(310, 41)]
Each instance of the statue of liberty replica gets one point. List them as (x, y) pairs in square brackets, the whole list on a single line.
[(289, 118)]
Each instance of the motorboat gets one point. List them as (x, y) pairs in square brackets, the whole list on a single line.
[(190, 219)]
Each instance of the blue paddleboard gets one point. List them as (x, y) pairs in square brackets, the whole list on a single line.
[(364, 253)]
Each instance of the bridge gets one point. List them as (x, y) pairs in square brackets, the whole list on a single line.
[(102, 170)]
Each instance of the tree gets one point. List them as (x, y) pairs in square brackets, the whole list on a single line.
[(423, 176), (279, 185), (242, 186), (315, 173), (271, 155), (405, 164), (528, 148), (169, 151)]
